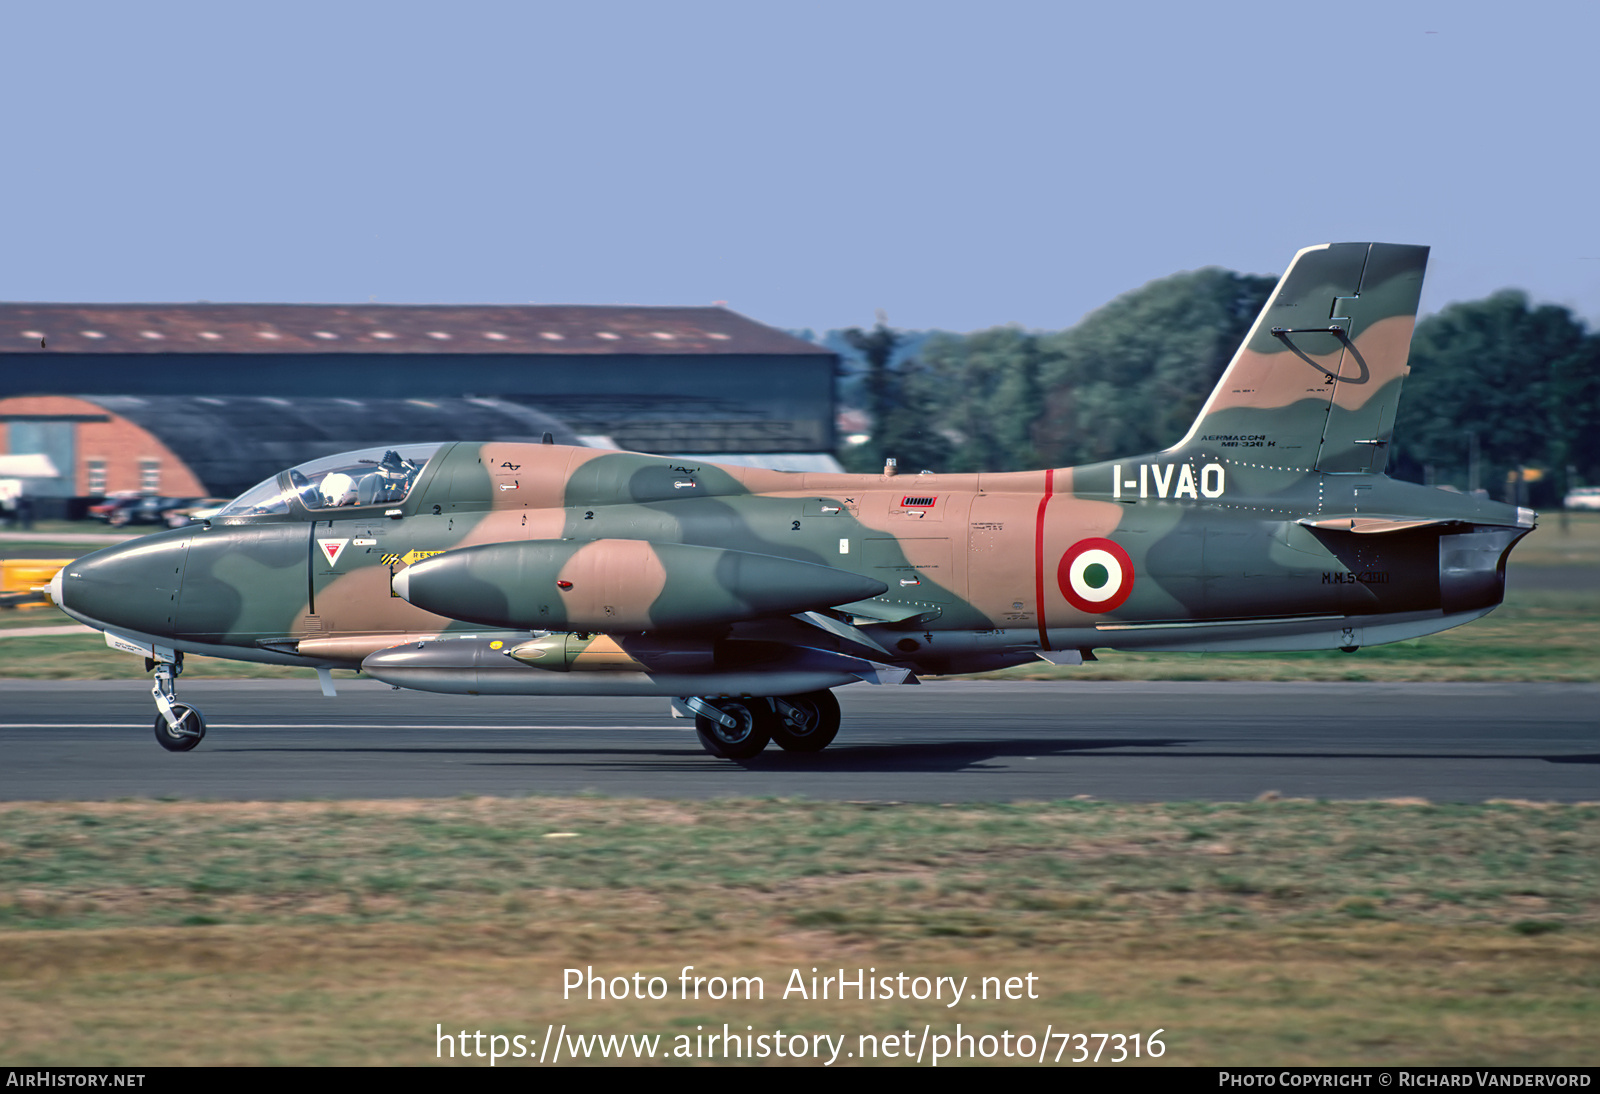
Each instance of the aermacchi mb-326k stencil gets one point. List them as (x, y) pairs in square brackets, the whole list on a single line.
[(745, 595)]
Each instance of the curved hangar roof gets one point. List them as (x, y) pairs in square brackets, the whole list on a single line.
[(232, 443), (556, 329)]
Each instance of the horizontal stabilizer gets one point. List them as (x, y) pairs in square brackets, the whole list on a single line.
[(1377, 525), (1366, 526)]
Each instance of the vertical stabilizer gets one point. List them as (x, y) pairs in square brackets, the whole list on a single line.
[(1317, 381)]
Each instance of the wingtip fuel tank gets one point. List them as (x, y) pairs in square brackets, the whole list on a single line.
[(614, 585)]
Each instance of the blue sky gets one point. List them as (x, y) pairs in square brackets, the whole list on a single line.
[(958, 166)]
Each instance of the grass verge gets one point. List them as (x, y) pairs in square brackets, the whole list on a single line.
[(1276, 932)]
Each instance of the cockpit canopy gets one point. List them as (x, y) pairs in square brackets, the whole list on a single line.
[(371, 476)]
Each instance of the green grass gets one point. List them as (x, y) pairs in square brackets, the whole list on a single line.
[(33, 615), (1285, 862), (1282, 932), (1571, 539)]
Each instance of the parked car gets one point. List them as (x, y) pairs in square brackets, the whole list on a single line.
[(102, 510), (1584, 497), (147, 510)]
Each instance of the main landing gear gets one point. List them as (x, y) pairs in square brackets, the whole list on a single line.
[(179, 727), (737, 729), (805, 723)]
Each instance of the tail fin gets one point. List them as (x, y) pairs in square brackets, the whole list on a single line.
[(1317, 381)]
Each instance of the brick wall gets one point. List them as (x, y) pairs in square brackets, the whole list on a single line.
[(121, 444)]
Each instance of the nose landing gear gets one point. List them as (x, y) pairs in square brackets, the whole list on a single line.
[(179, 727)]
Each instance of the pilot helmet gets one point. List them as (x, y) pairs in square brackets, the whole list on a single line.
[(338, 489)]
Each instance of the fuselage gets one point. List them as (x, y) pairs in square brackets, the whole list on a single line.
[(1198, 550)]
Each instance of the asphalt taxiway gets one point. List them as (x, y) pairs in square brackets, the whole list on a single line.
[(942, 741)]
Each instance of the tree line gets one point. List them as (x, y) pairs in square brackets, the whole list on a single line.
[(1497, 386)]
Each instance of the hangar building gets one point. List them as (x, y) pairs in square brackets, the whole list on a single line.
[(705, 382), (220, 446)]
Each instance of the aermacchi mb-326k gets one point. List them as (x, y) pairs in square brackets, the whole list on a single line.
[(746, 594)]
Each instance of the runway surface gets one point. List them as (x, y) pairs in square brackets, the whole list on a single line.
[(942, 741)]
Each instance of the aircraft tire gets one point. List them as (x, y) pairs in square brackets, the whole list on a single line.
[(822, 711), (189, 718), (745, 740)]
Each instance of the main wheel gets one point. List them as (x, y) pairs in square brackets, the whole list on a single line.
[(811, 726), (190, 722), (749, 735)]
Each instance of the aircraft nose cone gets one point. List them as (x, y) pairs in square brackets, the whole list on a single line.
[(133, 586)]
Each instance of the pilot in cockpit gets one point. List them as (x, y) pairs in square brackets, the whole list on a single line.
[(389, 481), (338, 489)]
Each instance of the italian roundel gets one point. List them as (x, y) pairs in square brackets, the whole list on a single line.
[(1096, 575)]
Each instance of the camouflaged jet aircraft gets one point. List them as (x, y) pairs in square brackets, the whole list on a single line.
[(746, 595)]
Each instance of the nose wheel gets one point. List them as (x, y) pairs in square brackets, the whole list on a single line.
[(179, 726), (189, 730)]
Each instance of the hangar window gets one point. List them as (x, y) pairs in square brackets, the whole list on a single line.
[(97, 477)]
